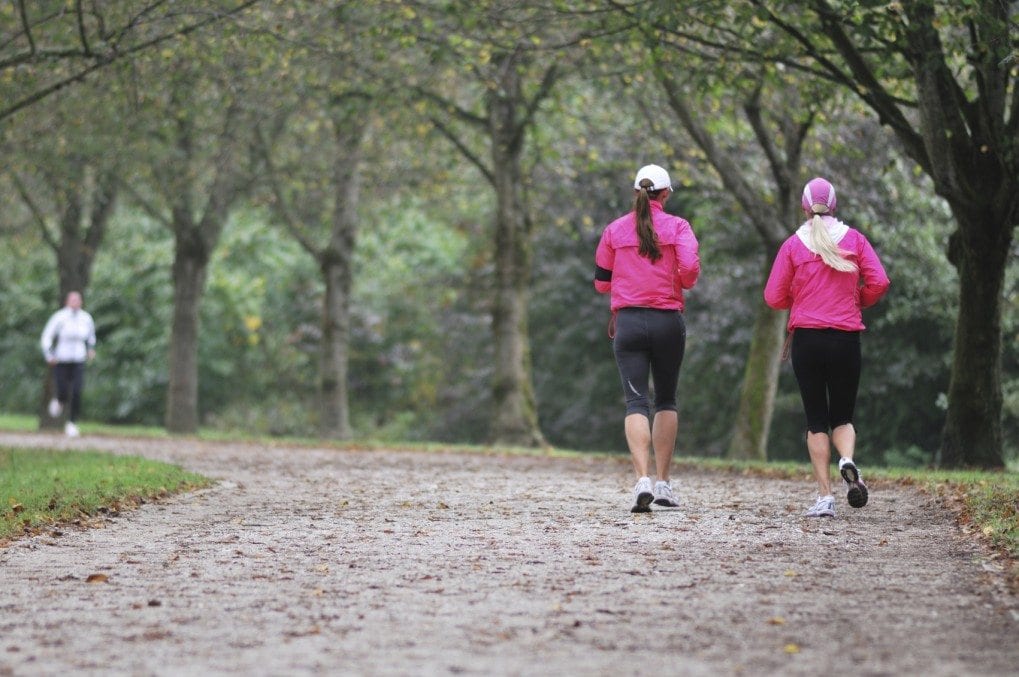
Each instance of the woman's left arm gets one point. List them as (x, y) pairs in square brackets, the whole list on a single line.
[(688, 257), (874, 280)]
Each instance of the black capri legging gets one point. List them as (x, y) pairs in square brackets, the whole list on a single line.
[(827, 367), (649, 342)]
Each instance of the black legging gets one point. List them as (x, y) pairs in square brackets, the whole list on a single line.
[(827, 367), (70, 378), (649, 342)]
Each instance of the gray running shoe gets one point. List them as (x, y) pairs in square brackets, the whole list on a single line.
[(824, 507), (642, 496), (857, 493), (664, 496)]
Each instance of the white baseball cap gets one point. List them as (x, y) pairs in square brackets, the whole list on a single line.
[(658, 176)]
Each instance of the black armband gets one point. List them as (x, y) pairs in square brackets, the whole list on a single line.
[(602, 274)]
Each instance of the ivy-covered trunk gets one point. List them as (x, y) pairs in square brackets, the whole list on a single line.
[(760, 383)]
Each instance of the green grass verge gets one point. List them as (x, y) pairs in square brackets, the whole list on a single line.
[(988, 502), (39, 488)]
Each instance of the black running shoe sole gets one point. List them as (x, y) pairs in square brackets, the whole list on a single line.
[(857, 495), (643, 502), (665, 502)]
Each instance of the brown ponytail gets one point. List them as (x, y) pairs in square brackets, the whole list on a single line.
[(645, 227)]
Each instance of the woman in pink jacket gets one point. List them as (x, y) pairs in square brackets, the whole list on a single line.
[(645, 260), (826, 273)]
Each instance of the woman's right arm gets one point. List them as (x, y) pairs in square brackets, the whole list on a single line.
[(604, 261), (777, 292), (48, 335)]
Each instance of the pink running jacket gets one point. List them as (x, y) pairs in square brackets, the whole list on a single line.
[(819, 296), (636, 281)]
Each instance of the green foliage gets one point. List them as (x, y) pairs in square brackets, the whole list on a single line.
[(131, 301), (27, 299), (40, 487), (399, 357)]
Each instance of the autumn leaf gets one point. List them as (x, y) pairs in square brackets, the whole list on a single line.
[(97, 578), (776, 620), (791, 648)]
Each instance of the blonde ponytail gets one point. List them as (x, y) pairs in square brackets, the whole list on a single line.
[(824, 246)]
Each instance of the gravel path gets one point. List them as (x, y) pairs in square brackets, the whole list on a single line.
[(315, 561)]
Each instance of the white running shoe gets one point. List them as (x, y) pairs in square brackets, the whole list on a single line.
[(642, 495), (55, 408), (664, 496), (824, 507), (71, 430)]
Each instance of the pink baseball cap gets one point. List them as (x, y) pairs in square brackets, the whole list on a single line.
[(818, 191)]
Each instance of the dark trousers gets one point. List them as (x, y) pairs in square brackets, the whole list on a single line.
[(70, 378), (649, 342), (827, 367)]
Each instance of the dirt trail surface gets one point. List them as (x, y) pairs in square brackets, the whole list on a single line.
[(317, 561)]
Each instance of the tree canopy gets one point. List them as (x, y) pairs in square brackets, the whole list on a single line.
[(379, 218)]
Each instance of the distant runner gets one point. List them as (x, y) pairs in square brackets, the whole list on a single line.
[(68, 341)]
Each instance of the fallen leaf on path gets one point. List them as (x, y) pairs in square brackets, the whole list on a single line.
[(97, 578), (789, 573), (792, 648), (776, 620)]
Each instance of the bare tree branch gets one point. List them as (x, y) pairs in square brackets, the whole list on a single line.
[(26, 27), (40, 218), (106, 58), (462, 147), (282, 206), (548, 81), (82, 31), (147, 206)]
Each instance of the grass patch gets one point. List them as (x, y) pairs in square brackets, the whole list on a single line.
[(988, 502), (40, 488)]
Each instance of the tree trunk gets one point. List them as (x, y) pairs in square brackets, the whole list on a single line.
[(189, 271), (350, 116), (760, 383), (972, 436), (335, 413), (515, 416)]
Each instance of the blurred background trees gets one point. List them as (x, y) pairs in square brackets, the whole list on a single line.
[(294, 219)]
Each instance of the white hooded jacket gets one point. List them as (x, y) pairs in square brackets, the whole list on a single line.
[(68, 336)]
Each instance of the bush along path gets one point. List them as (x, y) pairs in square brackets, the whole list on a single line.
[(317, 561)]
